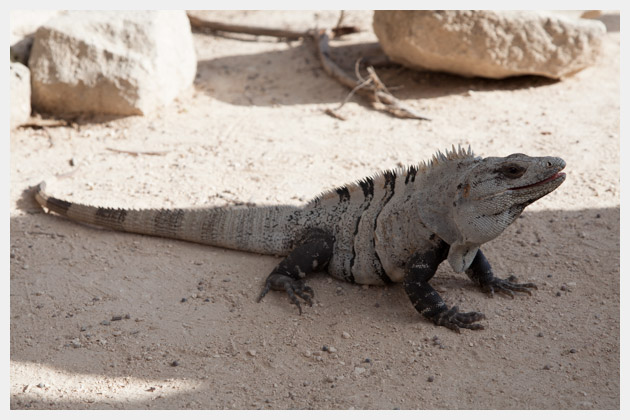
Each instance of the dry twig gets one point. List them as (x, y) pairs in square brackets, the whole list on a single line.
[(137, 153), (373, 88), (209, 25), (342, 14), (333, 113)]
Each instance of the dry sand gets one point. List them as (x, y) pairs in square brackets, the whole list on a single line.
[(253, 130)]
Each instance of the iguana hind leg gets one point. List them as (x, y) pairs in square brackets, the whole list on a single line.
[(312, 255), (427, 301)]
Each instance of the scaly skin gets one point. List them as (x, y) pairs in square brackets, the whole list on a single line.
[(396, 226)]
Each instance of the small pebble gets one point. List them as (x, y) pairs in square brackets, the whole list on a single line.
[(540, 334), (547, 367), (359, 370), (367, 360), (105, 323), (573, 351), (76, 343), (251, 352), (175, 363), (325, 348), (41, 385), (431, 378), (345, 334), (184, 300)]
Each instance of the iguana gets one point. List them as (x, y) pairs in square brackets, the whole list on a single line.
[(396, 226)]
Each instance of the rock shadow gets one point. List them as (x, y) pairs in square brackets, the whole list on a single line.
[(295, 76)]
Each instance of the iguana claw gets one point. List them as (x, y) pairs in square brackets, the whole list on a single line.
[(507, 286), (454, 320), (293, 287)]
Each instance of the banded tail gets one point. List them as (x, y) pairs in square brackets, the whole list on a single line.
[(265, 230)]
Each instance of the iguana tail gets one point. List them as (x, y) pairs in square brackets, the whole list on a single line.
[(265, 230)]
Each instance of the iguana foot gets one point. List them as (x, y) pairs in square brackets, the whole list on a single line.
[(293, 287), (507, 286), (454, 320)]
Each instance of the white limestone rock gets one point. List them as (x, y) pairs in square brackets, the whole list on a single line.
[(20, 104), (111, 62), (493, 44), (22, 27)]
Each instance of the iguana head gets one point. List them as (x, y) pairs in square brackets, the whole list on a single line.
[(487, 195)]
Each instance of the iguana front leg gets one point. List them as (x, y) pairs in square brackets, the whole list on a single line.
[(481, 273), (420, 269), (312, 255)]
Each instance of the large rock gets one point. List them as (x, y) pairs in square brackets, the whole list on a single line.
[(22, 27), (493, 44), (120, 63), (20, 104)]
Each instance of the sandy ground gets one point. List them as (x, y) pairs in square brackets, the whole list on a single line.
[(109, 320)]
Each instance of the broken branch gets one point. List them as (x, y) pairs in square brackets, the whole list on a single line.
[(209, 25), (374, 89), (137, 153)]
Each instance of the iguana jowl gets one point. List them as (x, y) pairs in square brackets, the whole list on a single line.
[(396, 226)]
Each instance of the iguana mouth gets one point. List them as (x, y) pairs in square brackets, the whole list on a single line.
[(544, 181)]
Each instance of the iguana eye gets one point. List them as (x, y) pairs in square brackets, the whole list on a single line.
[(512, 171)]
